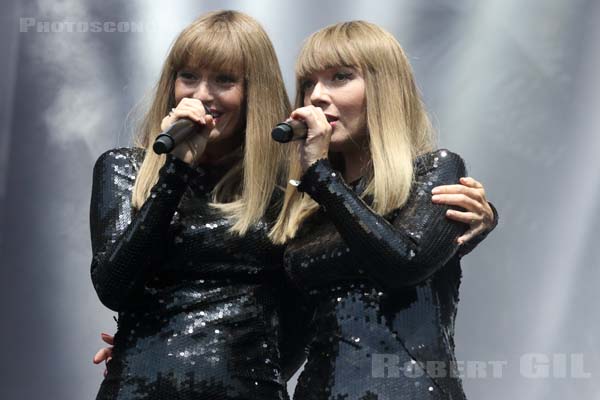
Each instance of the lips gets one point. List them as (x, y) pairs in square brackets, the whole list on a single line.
[(215, 113), (332, 120)]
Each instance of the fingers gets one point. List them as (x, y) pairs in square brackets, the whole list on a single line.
[(187, 108), (459, 200), (188, 102), (467, 180), (106, 338), (475, 221), (470, 234), (104, 354), (452, 189), (468, 218), (476, 194), (187, 111), (209, 121), (315, 120)]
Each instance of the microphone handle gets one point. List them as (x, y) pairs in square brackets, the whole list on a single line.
[(180, 130), (289, 130)]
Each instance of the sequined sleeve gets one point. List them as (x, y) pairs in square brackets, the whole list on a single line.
[(128, 243), (409, 244)]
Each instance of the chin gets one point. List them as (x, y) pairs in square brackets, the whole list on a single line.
[(339, 142)]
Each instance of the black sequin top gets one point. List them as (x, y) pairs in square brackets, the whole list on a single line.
[(198, 307), (385, 290)]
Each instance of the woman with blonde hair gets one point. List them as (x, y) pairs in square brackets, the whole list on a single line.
[(374, 255), (180, 246)]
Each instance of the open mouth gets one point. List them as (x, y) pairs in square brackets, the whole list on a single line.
[(331, 119)]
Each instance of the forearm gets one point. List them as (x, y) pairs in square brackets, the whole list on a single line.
[(411, 248)]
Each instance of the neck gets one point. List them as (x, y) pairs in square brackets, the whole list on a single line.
[(219, 158), (222, 153), (356, 163)]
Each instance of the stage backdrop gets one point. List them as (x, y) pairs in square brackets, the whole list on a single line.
[(512, 86)]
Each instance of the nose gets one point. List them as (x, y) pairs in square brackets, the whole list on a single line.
[(319, 95), (203, 92)]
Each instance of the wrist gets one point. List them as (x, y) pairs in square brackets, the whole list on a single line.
[(319, 171), (306, 165)]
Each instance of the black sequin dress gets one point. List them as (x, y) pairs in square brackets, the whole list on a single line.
[(198, 307), (385, 290)]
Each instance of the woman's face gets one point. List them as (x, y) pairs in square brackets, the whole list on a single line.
[(340, 92), (222, 92)]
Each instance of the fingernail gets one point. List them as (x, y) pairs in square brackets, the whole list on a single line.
[(104, 334), (434, 198), (435, 190)]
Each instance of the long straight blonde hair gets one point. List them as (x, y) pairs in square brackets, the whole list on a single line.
[(398, 126), (226, 41)]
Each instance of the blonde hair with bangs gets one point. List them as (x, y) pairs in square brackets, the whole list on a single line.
[(226, 41), (398, 125)]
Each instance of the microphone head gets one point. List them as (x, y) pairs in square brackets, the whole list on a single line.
[(282, 132), (164, 143)]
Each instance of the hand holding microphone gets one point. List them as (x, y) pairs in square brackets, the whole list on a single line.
[(185, 131), (310, 124)]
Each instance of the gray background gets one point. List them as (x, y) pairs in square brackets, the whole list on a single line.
[(511, 85)]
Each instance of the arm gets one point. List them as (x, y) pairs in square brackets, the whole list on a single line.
[(418, 241), (127, 244)]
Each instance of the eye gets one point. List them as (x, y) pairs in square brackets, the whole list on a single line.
[(306, 84), (341, 76), (225, 79), (186, 76)]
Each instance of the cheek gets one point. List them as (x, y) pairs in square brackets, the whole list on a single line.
[(232, 100), (360, 121), (182, 91), (236, 105)]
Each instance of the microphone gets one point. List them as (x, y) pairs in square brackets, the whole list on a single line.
[(289, 130), (181, 129)]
